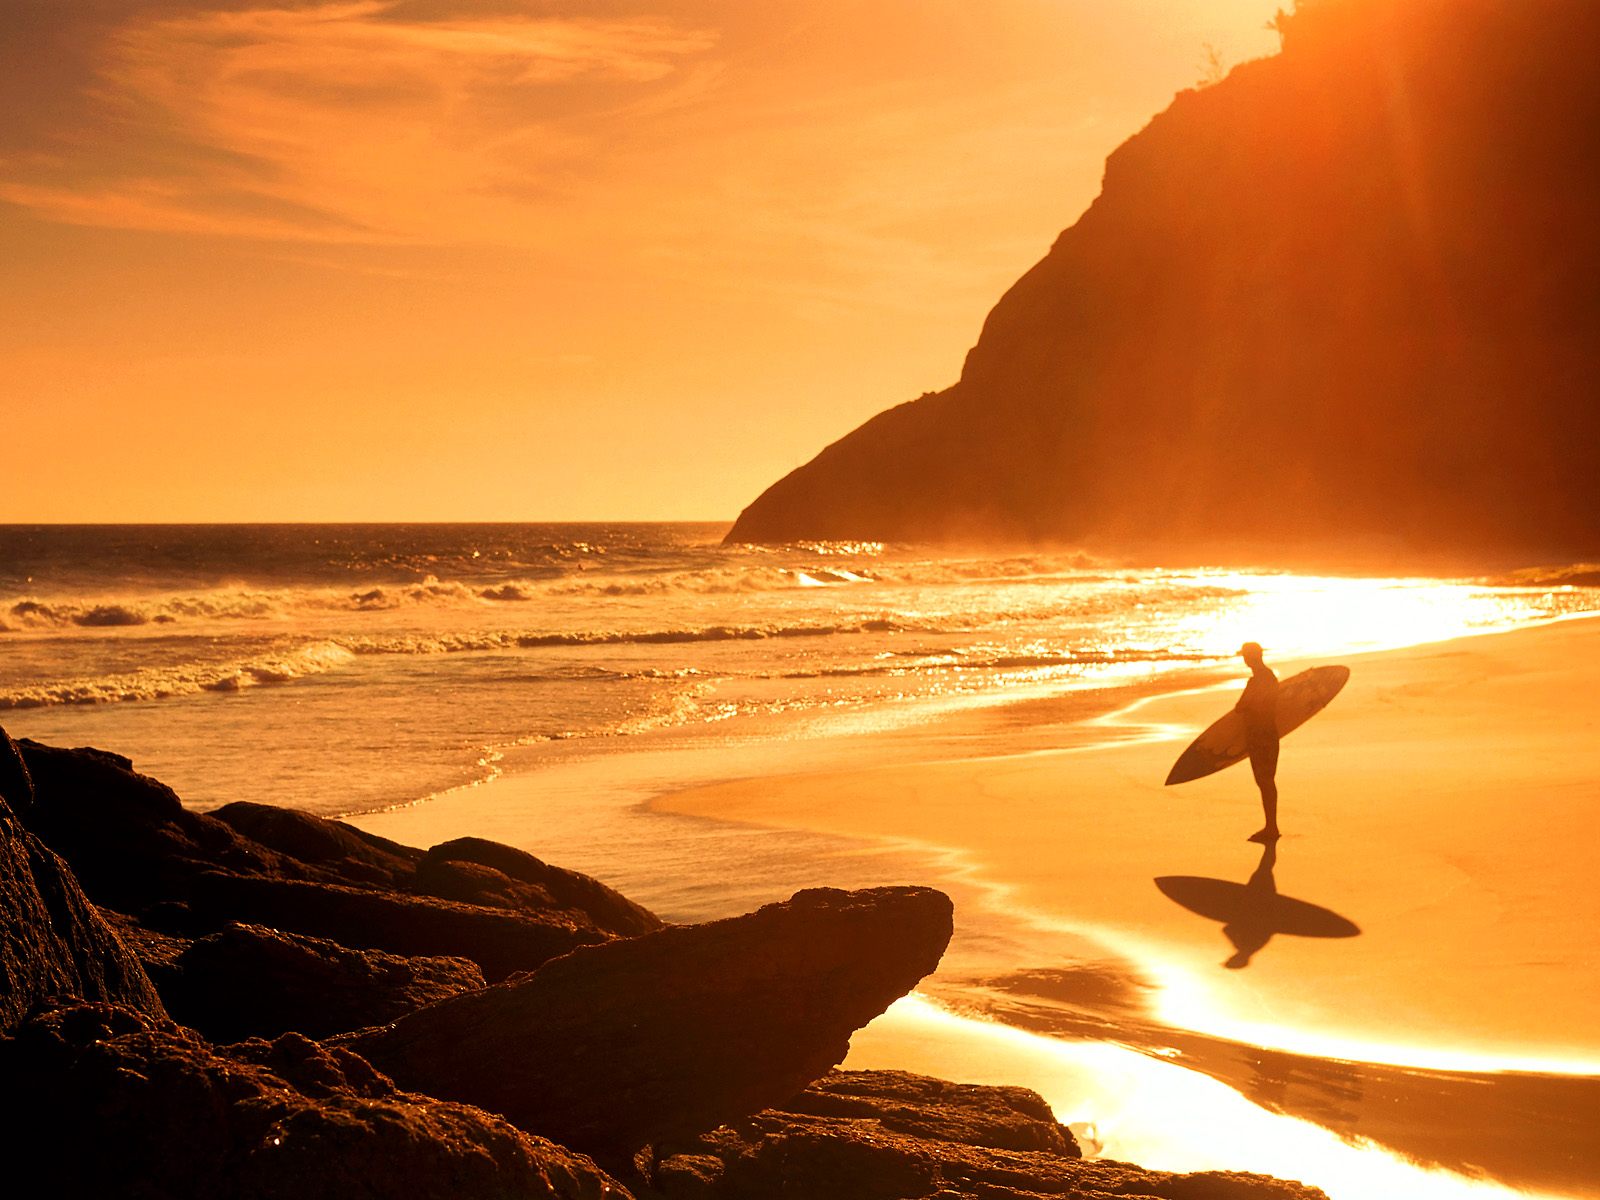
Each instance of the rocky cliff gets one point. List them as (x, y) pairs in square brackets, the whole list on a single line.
[(1343, 302)]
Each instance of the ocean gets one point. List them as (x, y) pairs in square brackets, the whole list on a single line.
[(346, 669)]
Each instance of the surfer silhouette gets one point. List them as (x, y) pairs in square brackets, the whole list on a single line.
[(1259, 708), (1253, 927)]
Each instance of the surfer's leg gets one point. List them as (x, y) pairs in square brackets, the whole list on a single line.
[(1264, 766)]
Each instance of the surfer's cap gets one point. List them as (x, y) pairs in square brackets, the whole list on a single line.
[(1250, 650)]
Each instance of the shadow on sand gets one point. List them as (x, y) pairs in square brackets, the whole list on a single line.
[(1253, 913)]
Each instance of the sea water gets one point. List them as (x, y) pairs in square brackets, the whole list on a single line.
[(349, 668)]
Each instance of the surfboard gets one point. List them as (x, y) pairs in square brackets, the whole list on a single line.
[(1300, 697), (1239, 903)]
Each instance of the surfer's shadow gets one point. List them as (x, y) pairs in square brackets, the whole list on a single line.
[(1253, 913)]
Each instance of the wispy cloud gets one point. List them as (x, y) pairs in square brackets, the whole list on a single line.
[(345, 122)]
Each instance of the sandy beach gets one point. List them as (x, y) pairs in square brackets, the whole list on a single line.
[(1438, 807), (1441, 805), (1420, 805)]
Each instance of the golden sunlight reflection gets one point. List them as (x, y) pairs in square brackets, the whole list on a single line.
[(1184, 1000), (1294, 615), (1148, 1111)]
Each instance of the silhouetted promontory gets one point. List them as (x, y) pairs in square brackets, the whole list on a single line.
[(1344, 300)]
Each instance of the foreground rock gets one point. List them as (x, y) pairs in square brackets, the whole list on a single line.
[(469, 870), (348, 853), (500, 942), (669, 1034), (1002, 1118), (129, 838), (139, 851), (53, 942), (102, 1101), (251, 981), (887, 1135), (485, 872), (16, 785)]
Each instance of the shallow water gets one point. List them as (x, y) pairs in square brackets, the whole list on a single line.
[(347, 668)]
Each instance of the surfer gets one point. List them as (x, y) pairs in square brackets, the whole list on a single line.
[(1259, 708)]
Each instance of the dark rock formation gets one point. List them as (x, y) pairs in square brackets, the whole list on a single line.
[(129, 839), (156, 951), (249, 981), (499, 941), (16, 785), (542, 886), (888, 1135), (1002, 1118), (673, 1032), (53, 942), (102, 1101), (138, 850), (350, 853), (1339, 306)]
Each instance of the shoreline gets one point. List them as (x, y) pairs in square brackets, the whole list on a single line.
[(1458, 983), (753, 831), (594, 806), (1157, 1108), (1208, 819)]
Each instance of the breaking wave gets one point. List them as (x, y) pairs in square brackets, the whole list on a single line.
[(1574, 575), (188, 679), (161, 683), (978, 660), (238, 603), (457, 643)]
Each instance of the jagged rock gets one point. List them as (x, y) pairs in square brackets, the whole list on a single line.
[(351, 853), (673, 1032), (102, 1101), (1296, 326), (158, 953), (499, 941), (442, 872), (139, 850), (473, 883), (53, 942), (16, 785), (249, 981), (129, 839), (1002, 1118), (892, 1136), (820, 1158)]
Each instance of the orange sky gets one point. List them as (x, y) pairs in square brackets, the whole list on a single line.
[(524, 259)]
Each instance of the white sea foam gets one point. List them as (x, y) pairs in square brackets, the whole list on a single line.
[(190, 678), (164, 682), (238, 603)]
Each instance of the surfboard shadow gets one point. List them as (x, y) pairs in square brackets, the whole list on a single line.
[(1253, 913)]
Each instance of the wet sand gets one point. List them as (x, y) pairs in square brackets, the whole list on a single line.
[(1444, 806)]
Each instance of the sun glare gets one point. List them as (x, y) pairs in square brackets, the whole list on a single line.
[(1297, 615), (1115, 1090)]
